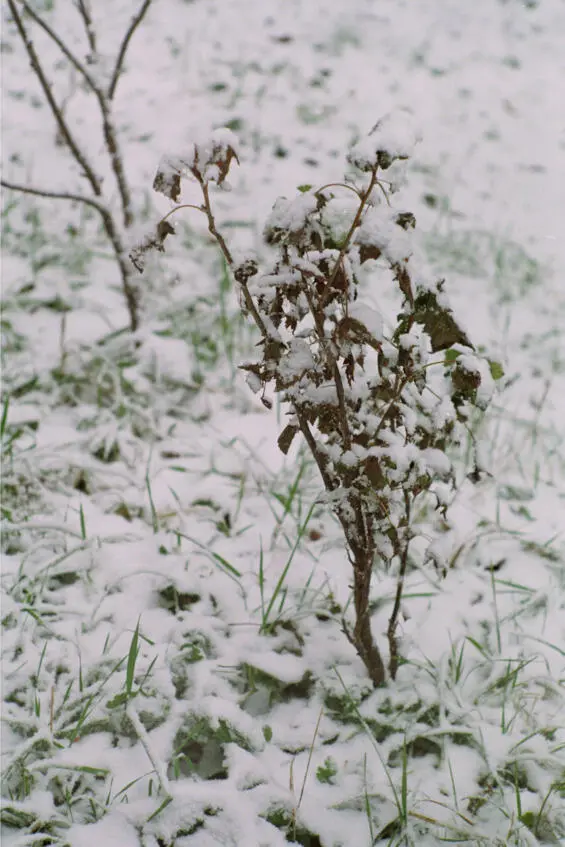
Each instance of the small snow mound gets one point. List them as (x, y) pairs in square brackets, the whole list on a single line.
[(393, 137)]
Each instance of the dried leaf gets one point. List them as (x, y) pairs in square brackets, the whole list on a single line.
[(439, 323), (286, 438), (155, 241), (374, 473), (368, 251), (167, 182)]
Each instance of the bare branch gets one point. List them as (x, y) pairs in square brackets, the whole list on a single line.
[(212, 229), (135, 21), (88, 25), (110, 136), (320, 458), (345, 246), (55, 195), (116, 157), (55, 109), (362, 561), (393, 620), (66, 51), (128, 287), (212, 223)]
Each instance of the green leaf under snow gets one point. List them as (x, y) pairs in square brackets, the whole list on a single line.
[(496, 369)]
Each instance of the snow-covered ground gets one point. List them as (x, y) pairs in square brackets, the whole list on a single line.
[(163, 686)]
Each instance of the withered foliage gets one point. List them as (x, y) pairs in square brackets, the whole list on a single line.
[(375, 404)]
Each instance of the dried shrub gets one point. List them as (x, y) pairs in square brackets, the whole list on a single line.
[(378, 406)]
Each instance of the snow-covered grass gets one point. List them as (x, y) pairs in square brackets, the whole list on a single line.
[(174, 669)]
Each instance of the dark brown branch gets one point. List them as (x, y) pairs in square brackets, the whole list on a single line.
[(393, 620), (135, 21), (88, 25), (329, 483), (318, 314), (344, 423), (362, 561), (212, 229), (66, 51), (116, 157), (212, 223), (55, 109), (55, 195), (110, 136), (128, 288), (345, 246)]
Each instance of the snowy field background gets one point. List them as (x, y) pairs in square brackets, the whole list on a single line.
[(174, 670)]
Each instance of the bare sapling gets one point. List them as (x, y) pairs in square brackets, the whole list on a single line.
[(378, 395), (101, 80)]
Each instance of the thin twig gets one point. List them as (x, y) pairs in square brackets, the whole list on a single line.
[(212, 229), (55, 109), (116, 157), (178, 208), (344, 423), (111, 230), (77, 64), (318, 314), (88, 25), (329, 483), (212, 223), (393, 620), (108, 128), (135, 21), (339, 185), (345, 246), (55, 195)]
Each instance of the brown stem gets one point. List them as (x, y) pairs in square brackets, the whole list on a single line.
[(108, 128), (216, 234), (116, 157), (79, 157), (346, 435), (362, 561), (56, 195), (345, 246), (318, 315), (360, 539), (329, 483), (212, 223), (135, 21), (393, 620), (88, 25), (128, 287), (66, 51)]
